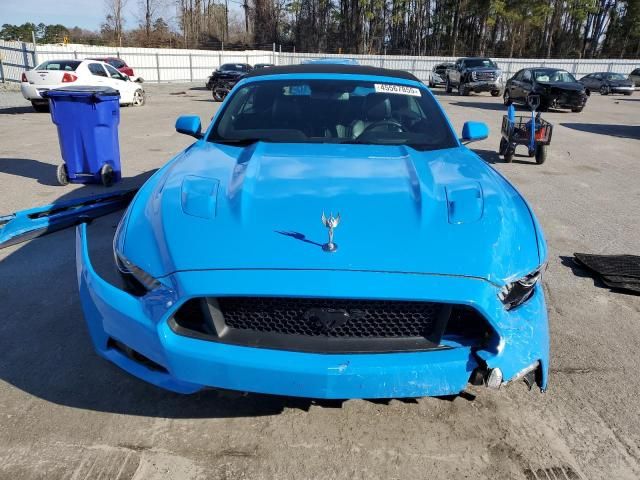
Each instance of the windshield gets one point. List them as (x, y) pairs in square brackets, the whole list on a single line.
[(65, 65), (479, 62), (234, 67), (553, 76), (615, 76), (333, 111)]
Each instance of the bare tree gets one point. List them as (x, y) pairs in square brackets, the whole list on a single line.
[(114, 19), (147, 10)]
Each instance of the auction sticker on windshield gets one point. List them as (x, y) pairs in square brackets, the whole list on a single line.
[(399, 89)]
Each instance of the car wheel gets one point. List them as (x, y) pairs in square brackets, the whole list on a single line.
[(541, 154), (40, 107), (495, 93), (447, 86), (628, 94), (107, 175), (577, 110), (506, 98), (604, 90), (218, 94), (61, 174), (462, 90), (138, 98)]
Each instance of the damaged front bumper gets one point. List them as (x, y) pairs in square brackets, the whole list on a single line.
[(134, 333), (34, 222)]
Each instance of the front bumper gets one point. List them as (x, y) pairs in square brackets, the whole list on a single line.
[(186, 365), (622, 89), (484, 86), (437, 79)]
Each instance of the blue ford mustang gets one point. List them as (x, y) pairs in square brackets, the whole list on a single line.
[(328, 236)]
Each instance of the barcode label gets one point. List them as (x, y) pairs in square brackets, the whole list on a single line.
[(397, 89)]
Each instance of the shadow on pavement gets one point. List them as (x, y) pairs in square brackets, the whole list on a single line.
[(16, 110), (492, 156), (612, 130), (44, 173), (498, 105)]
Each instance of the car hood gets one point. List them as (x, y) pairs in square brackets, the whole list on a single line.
[(401, 210)]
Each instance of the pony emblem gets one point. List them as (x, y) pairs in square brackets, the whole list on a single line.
[(330, 223)]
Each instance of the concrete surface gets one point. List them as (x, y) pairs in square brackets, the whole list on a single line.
[(65, 413)]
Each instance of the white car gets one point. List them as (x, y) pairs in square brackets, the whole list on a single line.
[(61, 73)]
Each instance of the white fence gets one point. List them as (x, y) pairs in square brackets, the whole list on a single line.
[(174, 65)]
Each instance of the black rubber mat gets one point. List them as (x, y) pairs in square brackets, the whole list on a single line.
[(615, 271), (616, 265)]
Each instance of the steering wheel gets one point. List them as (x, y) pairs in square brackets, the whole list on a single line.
[(382, 123)]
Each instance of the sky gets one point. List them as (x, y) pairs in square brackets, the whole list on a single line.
[(87, 14)]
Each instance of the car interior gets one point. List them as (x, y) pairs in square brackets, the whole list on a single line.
[(341, 113)]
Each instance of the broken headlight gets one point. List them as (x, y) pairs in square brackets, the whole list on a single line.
[(518, 292), (129, 271), (126, 267)]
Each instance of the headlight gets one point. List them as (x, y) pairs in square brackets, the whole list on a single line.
[(126, 267), (518, 292)]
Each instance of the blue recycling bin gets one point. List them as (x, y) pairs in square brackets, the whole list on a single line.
[(87, 119)]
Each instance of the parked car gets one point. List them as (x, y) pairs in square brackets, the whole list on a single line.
[(439, 74), (557, 89), (60, 73), (263, 65), (634, 76), (607, 82), (474, 74), (237, 275), (121, 66), (229, 73)]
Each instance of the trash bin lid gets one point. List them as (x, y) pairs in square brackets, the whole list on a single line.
[(82, 91)]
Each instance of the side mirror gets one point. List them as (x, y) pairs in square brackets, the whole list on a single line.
[(474, 131), (189, 125)]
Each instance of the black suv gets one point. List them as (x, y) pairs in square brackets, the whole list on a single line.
[(474, 74), (229, 73)]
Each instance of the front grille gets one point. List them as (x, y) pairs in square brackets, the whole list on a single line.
[(327, 325), (484, 76), (330, 317)]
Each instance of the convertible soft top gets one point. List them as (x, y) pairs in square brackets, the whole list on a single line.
[(338, 69)]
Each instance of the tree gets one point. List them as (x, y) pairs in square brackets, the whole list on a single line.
[(147, 10), (22, 33), (114, 21)]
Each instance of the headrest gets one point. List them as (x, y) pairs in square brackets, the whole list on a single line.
[(377, 107)]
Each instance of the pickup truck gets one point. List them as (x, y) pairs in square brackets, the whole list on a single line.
[(474, 74)]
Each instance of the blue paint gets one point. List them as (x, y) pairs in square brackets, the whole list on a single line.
[(416, 225), (189, 125), (33, 222), (474, 131)]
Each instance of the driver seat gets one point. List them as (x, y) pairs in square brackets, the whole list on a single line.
[(377, 107)]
